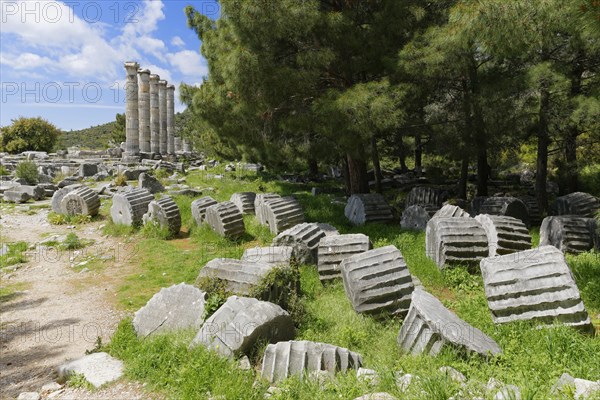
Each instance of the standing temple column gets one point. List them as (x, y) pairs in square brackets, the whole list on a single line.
[(132, 134), (178, 144), (162, 106), (144, 110), (187, 147), (154, 115), (171, 119)]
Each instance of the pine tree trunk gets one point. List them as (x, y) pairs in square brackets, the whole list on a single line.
[(313, 167), (572, 183), (376, 164), (357, 175), (418, 153), (542, 150), (346, 175), (464, 176)]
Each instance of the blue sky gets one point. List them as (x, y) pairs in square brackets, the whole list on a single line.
[(63, 60)]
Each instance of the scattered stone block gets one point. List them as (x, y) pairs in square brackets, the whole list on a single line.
[(570, 234), (364, 208), (60, 194), (378, 282), (508, 392), (584, 389), (334, 249), (453, 374), (150, 183), (429, 326), (578, 203), (259, 201), (376, 396), (300, 358), (68, 182), (415, 218), (165, 212), (450, 211), (97, 368), (199, 207), (16, 195), (81, 201), (426, 195), (281, 214), (535, 284), (29, 396), (508, 206), (36, 192), (225, 219), (304, 239), (176, 307), (86, 170), (455, 241), (505, 235), (244, 201), (242, 322), (535, 215), (367, 375), (274, 255), (129, 207)]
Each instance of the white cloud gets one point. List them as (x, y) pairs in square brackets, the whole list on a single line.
[(25, 61), (177, 41), (189, 63)]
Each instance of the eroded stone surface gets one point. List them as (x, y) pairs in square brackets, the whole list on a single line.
[(81, 201), (199, 207), (364, 208), (578, 203), (274, 255), (97, 368), (128, 208), (334, 249), (505, 234), (508, 206), (226, 219), (244, 201), (569, 233), (304, 239), (165, 213), (455, 241)]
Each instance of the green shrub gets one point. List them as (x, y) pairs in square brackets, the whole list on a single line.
[(216, 293), (120, 180), (153, 230), (14, 255), (161, 173), (62, 219), (4, 171), (589, 179), (72, 242), (27, 170), (28, 134)]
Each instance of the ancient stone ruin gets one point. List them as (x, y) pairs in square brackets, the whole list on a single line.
[(242, 322), (570, 234), (535, 284), (507, 206), (165, 213), (274, 255), (259, 201), (304, 239), (451, 211), (226, 219), (415, 217), (505, 234), (81, 201), (378, 282), (128, 208), (176, 307), (429, 326), (578, 203), (199, 207), (280, 214), (455, 241), (334, 249), (422, 195), (244, 201), (299, 358), (364, 208)]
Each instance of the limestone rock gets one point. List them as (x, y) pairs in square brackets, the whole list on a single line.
[(60, 194), (304, 239), (364, 208), (455, 241), (334, 249), (508, 206), (150, 183), (259, 201), (584, 389), (376, 396), (199, 207), (535, 284), (242, 322), (274, 255), (226, 219), (176, 307), (81, 201), (415, 218), (16, 195), (281, 214), (97, 368), (165, 212), (426, 195), (429, 326), (87, 170), (505, 234), (535, 215), (36, 192), (29, 396), (578, 203), (570, 234), (450, 211), (244, 201), (300, 358), (378, 282), (129, 207)]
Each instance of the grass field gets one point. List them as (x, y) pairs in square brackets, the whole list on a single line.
[(532, 358)]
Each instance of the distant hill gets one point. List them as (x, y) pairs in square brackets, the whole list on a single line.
[(94, 138)]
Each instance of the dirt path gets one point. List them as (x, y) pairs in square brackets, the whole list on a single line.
[(62, 306)]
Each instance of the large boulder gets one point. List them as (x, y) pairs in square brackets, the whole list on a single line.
[(129, 207), (16, 195), (87, 170), (36, 192), (535, 284), (176, 307), (334, 249), (364, 208), (455, 241), (300, 358), (429, 327), (97, 368), (241, 323), (378, 282), (505, 234)]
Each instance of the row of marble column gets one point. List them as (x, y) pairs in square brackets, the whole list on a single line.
[(150, 114)]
